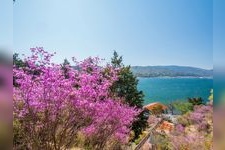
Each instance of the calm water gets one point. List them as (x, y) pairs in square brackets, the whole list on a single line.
[(166, 90)]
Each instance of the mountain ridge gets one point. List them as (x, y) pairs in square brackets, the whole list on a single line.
[(171, 71)]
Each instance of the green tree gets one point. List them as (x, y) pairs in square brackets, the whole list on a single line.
[(126, 87), (116, 60), (65, 68), (195, 101), (17, 62)]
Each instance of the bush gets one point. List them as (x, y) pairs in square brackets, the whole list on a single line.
[(183, 107), (51, 108)]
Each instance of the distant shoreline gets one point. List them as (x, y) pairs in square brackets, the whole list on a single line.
[(171, 72)]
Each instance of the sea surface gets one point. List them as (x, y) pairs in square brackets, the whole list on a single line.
[(166, 90)]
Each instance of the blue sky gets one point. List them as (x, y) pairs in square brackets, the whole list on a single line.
[(6, 24), (147, 32), (219, 33)]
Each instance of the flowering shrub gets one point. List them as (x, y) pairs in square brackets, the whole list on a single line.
[(180, 128), (194, 131), (202, 117), (51, 108), (152, 119), (188, 142)]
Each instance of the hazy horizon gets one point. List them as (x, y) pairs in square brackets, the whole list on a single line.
[(171, 66), (144, 33), (105, 61)]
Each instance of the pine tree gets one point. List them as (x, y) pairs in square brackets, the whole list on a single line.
[(18, 63), (65, 66), (126, 87)]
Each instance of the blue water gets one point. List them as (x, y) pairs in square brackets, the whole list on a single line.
[(166, 90)]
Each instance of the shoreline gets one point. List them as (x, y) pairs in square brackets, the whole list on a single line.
[(178, 77)]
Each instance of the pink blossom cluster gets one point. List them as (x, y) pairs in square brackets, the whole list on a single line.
[(152, 119), (188, 142), (202, 117), (52, 109), (197, 133)]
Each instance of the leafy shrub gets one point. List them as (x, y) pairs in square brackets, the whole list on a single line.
[(183, 107)]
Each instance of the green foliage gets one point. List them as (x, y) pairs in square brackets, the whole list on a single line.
[(211, 96), (17, 62), (183, 107), (141, 136), (66, 62), (65, 68), (126, 87), (195, 101), (117, 60)]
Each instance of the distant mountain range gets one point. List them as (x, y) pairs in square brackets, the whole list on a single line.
[(170, 71)]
